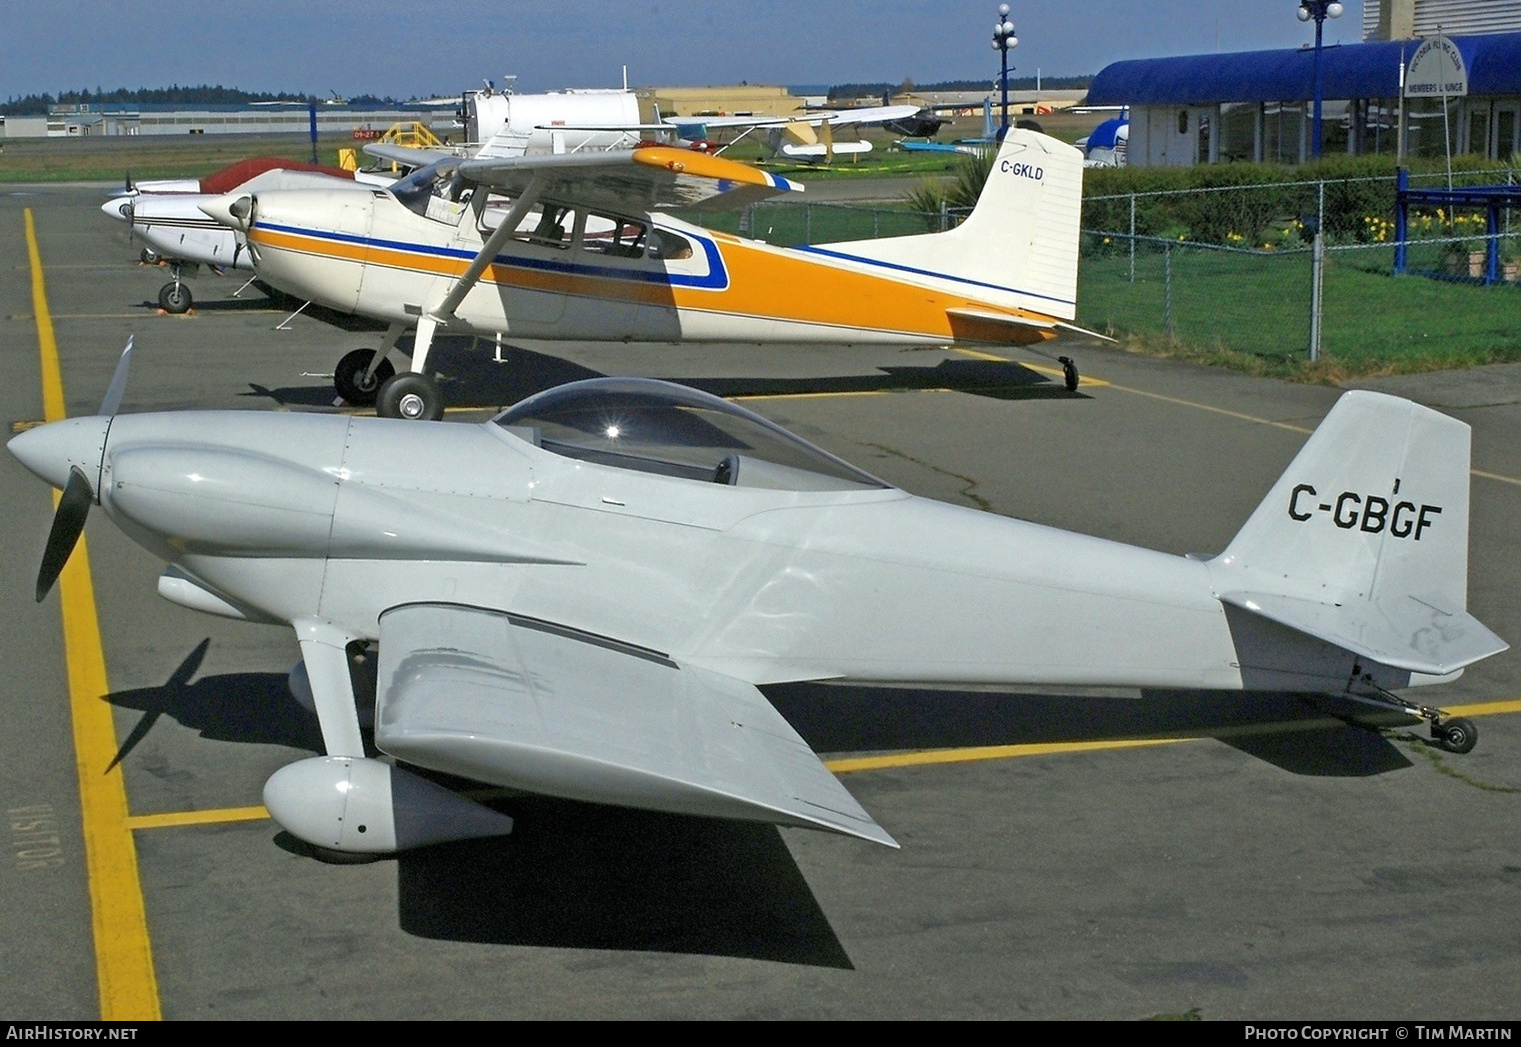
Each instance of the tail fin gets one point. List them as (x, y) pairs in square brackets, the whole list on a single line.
[(1363, 542), (1018, 248)]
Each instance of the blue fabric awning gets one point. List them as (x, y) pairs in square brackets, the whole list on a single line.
[(1370, 70)]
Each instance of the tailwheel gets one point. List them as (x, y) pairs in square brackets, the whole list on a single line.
[(1455, 734), (1069, 373), (354, 381), (412, 396), (1458, 735), (174, 297)]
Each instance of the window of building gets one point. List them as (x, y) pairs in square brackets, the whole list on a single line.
[(1238, 132)]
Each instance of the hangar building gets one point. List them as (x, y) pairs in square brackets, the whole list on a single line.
[(1256, 105)]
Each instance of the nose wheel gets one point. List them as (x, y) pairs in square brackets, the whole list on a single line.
[(410, 396), (174, 297), (354, 380)]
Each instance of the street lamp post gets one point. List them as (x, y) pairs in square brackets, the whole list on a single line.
[(1319, 10), (1003, 40)]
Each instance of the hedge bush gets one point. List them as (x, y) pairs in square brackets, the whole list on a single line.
[(1252, 217)]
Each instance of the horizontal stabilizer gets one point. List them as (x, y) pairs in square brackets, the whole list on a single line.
[(533, 705), (1407, 633), (972, 317)]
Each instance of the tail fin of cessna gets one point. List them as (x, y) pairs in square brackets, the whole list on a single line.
[(1019, 246), (1363, 542)]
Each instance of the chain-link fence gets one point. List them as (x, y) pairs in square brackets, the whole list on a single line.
[(1261, 301), (1234, 267)]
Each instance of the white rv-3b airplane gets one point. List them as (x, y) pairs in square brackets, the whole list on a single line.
[(581, 597), (574, 247)]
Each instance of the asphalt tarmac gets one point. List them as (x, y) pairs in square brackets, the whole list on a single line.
[(1274, 862)]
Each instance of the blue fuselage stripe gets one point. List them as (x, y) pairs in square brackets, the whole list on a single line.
[(717, 277), (927, 272)]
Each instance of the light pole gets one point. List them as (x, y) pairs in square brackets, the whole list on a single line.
[(1319, 10), (1003, 40)]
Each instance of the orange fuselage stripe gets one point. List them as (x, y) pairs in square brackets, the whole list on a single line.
[(764, 284)]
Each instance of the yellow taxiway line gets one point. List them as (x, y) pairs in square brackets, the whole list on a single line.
[(922, 758), (123, 955), (216, 816), (1052, 372), (919, 758)]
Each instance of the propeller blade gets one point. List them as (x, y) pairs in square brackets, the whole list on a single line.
[(68, 525), (118, 387)]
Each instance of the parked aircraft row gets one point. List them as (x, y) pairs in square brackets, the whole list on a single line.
[(582, 597), (167, 215)]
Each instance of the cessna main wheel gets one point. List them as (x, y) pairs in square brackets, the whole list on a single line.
[(412, 396), (353, 383), (174, 298)]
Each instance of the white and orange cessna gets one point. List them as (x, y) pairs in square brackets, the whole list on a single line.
[(574, 247)]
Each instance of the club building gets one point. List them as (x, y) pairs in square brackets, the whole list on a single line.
[(1257, 105)]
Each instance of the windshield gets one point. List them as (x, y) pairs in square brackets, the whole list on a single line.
[(441, 179), (658, 427)]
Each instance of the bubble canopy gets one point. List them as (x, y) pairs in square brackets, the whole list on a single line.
[(672, 430)]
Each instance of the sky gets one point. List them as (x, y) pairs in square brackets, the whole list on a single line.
[(418, 48)]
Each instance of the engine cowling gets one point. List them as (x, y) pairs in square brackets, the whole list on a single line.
[(363, 806)]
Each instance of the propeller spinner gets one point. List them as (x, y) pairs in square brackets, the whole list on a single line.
[(69, 454)]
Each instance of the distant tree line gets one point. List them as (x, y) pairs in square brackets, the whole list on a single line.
[(37, 104), (1023, 83)]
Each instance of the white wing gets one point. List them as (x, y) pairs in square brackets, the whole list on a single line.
[(532, 705)]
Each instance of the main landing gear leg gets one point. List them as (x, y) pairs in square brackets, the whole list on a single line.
[(412, 394)]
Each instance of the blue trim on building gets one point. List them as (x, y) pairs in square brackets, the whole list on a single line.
[(1368, 70)]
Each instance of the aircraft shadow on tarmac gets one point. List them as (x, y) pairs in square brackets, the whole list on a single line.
[(232, 707), (575, 875), (584, 876), (1306, 735), (471, 377)]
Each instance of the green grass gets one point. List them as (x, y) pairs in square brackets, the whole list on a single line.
[(1251, 312), (150, 156)]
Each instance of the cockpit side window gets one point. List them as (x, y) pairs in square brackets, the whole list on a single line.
[(548, 225), (669, 246), (615, 237)]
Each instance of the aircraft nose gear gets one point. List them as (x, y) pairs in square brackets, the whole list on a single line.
[(174, 297), (354, 380), (412, 396)]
